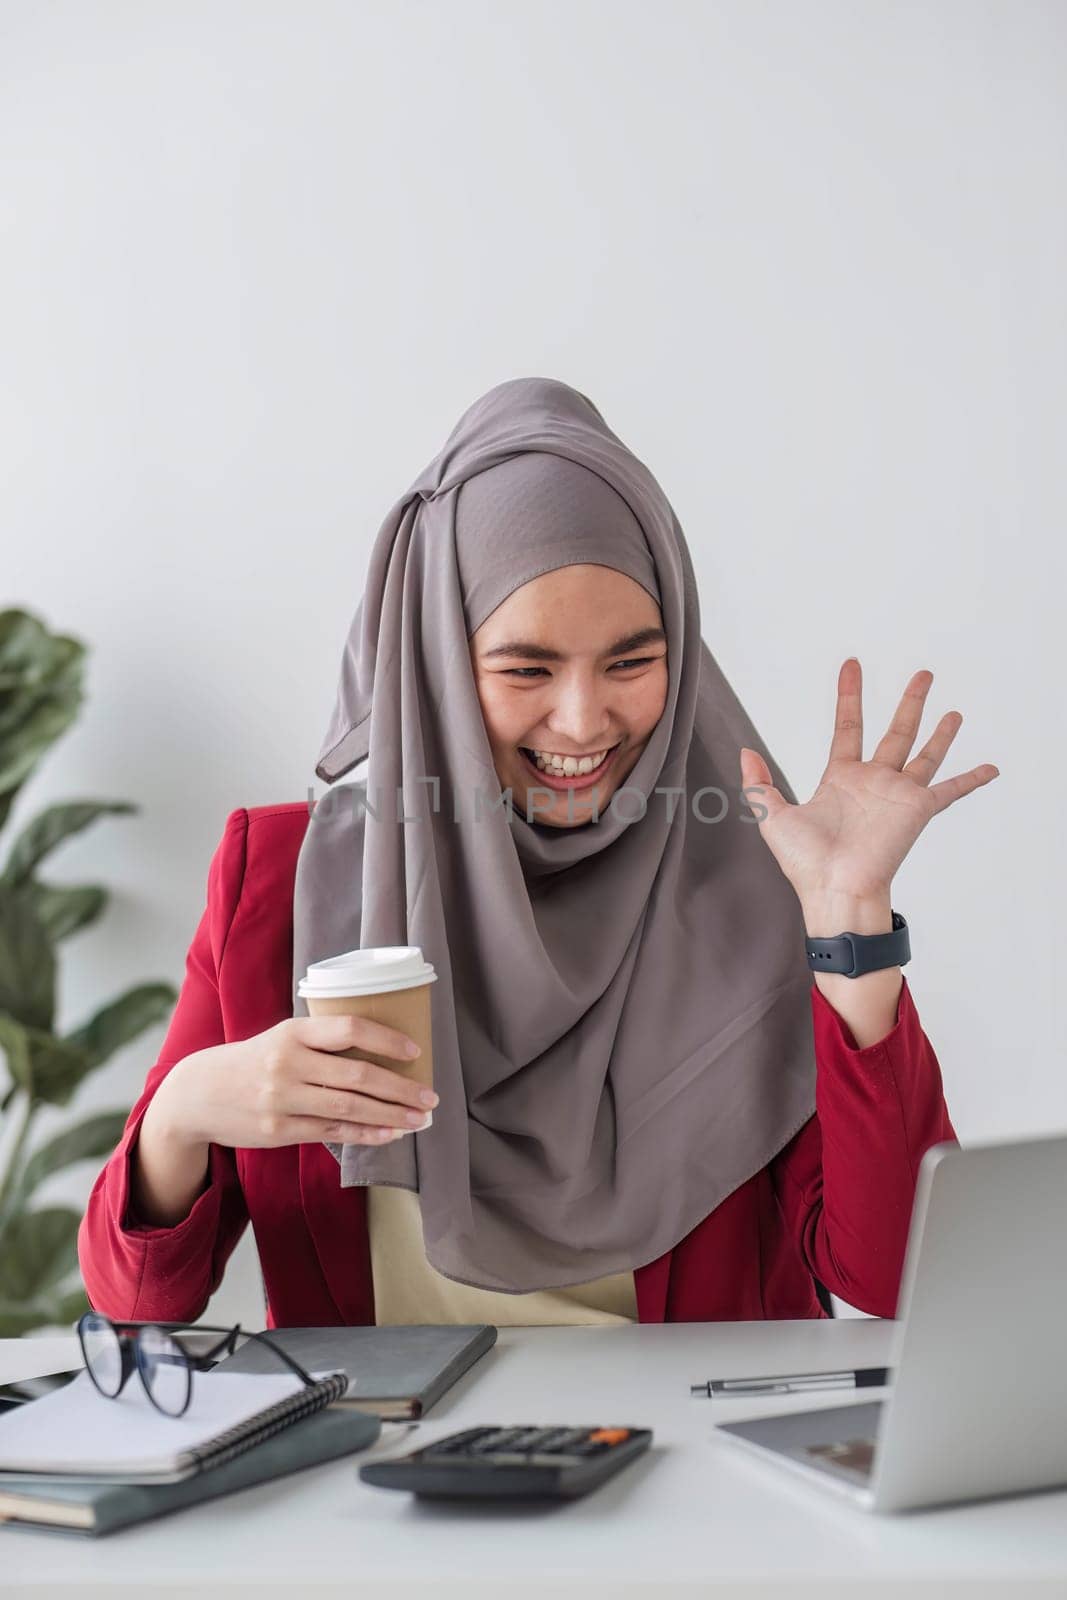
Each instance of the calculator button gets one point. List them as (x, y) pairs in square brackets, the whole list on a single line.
[(496, 1439), (568, 1437), (526, 1438), (550, 1439), (609, 1435)]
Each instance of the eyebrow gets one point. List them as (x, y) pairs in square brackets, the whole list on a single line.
[(539, 652)]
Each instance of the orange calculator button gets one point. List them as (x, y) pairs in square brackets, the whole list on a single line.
[(609, 1435)]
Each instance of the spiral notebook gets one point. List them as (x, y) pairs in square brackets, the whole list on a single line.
[(75, 1507), (77, 1432)]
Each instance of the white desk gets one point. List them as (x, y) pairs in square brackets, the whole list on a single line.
[(696, 1515)]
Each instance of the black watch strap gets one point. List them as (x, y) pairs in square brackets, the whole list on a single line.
[(853, 954)]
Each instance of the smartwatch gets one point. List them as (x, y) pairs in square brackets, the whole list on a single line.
[(853, 954)]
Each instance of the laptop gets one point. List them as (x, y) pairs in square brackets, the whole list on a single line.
[(977, 1405)]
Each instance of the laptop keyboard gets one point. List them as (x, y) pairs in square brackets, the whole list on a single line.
[(840, 1440)]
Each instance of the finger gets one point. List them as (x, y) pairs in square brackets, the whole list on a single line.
[(339, 1105), (757, 785), (363, 1077), (922, 766), (316, 1130), (951, 789), (348, 1033), (894, 745), (358, 1133), (847, 742)]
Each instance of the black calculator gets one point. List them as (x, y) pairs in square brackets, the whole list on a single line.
[(512, 1462)]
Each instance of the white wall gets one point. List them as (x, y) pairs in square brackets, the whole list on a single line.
[(808, 259)]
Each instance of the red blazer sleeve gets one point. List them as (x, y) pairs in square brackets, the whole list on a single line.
[(133, 1271), (846, 1181)]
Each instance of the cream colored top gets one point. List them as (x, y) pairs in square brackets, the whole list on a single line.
[(407, 1289)]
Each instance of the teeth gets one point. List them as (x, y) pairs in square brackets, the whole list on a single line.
[(567, 766)]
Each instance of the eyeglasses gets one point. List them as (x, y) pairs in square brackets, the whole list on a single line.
[(112, 1350)]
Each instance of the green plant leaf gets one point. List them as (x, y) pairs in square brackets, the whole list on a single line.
[(40, 694), (49, 1069), (27, 962), (15, 1043), (70, 1305), (17, 1320), (33, 663), (124, 1019), (62, 1311), (58, 1069), (40, 1249), (62, 910), (41, 836), (26, 646), (40, 725), (88, 1140)]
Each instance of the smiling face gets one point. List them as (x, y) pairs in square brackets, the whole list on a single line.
[(561, 671)]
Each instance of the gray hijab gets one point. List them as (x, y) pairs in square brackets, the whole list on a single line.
[(622, 1020)]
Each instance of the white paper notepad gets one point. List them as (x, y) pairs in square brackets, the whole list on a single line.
[(78, 1432)]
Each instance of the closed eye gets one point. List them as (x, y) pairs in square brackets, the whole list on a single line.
[(637, 661)]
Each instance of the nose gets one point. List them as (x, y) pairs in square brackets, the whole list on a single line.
[(581, 718)]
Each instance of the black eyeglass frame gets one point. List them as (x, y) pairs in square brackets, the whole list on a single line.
[(130, 1352)]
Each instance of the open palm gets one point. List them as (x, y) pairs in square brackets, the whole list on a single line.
[(864, 817)]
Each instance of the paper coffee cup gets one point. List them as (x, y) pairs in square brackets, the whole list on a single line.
[(389, 984)]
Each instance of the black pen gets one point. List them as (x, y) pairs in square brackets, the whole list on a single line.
[(795, 1382)]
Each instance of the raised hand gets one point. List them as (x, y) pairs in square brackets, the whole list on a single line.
[(848, 840)]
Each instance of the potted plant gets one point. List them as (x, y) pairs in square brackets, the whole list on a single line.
[(41, 691)]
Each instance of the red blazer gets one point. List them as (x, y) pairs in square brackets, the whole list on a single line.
[(834, 1202)]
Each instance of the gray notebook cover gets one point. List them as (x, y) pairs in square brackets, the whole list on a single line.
[(393, 1371), (103, 1507)]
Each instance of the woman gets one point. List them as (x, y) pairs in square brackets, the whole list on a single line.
[(645, 1106)]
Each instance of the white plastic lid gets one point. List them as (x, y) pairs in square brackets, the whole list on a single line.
[(392, 966)]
